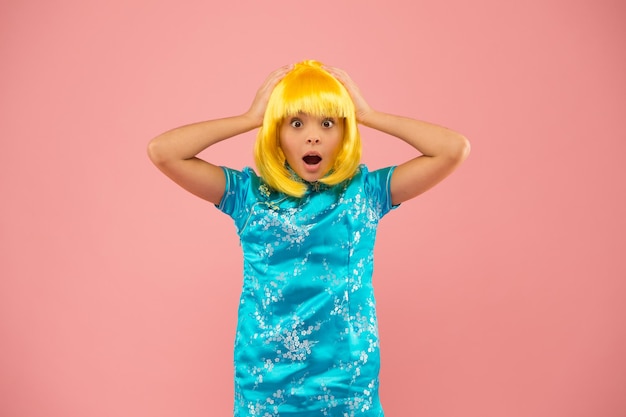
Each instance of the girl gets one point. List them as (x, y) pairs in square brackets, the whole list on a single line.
[(307, 339)]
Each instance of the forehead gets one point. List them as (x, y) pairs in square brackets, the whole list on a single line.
[(308, 117), (314, 107)]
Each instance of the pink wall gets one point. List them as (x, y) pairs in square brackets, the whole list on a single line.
[(501, 292)]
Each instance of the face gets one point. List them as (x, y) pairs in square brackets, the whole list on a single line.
[(311, 144)]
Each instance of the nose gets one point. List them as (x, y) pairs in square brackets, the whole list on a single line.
[(313, 134)]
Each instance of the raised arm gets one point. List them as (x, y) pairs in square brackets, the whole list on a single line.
[(174, 152), (442, 150)]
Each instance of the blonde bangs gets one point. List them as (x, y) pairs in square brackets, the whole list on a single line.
[(314, 92), (309, 89)]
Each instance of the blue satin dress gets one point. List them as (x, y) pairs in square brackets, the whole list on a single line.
[(307, 336)]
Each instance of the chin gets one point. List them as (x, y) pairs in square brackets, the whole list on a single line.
[(308, 177), (315, 176)]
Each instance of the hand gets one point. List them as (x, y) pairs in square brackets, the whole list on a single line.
[(361, 107), (259, 104)]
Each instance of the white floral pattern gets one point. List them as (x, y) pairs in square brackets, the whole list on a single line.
[(307, 335)]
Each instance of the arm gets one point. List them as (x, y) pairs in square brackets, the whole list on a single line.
[(174, 152), (442, 150)]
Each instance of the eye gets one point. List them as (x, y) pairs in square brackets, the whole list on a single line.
[(327, 123), (296, 123)]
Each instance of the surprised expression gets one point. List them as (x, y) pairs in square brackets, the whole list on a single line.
[(311, 144)]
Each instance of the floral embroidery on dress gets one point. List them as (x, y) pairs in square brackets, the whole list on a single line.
[(307, 336)]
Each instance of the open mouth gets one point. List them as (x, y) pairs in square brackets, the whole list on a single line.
[(312, 159)]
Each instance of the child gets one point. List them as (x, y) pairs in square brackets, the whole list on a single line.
[(307, 339)]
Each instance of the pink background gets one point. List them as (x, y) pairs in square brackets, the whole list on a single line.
[(500, 293)]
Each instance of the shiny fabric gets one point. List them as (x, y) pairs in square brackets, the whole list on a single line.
[(307, 336)]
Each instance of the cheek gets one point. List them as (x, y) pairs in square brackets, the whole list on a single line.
[(338, 142), (284, 144)]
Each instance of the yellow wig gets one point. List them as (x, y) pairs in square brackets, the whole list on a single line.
[(307, 88)]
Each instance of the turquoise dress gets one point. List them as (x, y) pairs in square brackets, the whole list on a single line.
[(307, 336)]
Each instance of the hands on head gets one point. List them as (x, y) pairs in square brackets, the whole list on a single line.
[(259, 104), (440, 150), (256, 111), (362, 108)]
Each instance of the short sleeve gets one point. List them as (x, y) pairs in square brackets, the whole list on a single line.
[(378, 189), (235, 192)]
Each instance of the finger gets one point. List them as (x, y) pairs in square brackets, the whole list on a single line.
[(339, 74), (280, 72), (277, 75)]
